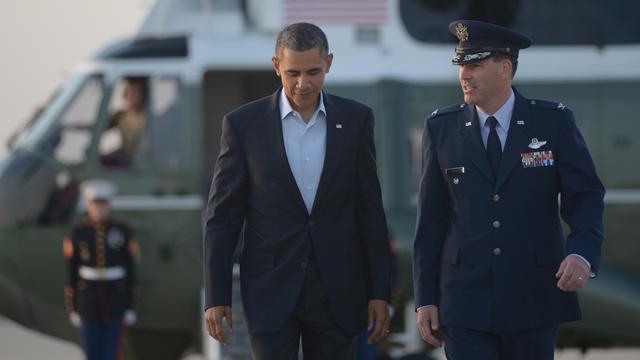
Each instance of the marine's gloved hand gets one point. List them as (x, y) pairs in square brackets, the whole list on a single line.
[(74, 319), (130, 317)]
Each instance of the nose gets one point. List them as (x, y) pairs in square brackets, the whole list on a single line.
[(303, 82), (464, 73)]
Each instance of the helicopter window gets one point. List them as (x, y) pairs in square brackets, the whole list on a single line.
[(144, 124), (72, 135), (165, 129), (550, 22), (127, 120)]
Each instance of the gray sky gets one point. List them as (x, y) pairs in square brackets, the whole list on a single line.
[(42, 42)]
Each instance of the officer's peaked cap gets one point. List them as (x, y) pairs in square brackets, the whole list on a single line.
[(479, 40), (98, 190)]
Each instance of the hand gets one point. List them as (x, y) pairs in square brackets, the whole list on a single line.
[(428, 323), (130, 317), (74, 319), (573, 274), (213, 321), (378, 317)]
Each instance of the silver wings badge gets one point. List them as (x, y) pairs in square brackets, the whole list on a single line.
[(535, 144)]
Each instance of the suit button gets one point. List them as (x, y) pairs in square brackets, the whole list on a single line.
[(303, 264), (496, 224), (311, 223), (496, 198), (497, 251)]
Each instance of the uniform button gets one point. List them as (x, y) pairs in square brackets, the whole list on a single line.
[(497, 251), (496, 198), (496, 224), (303, 264)]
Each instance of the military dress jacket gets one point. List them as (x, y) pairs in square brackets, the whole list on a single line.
[(487, 247), (100, 262)]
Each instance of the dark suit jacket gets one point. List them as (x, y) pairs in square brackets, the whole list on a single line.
[(254, 186), (486, 251)]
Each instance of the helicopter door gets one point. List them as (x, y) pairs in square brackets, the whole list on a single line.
[(223, 91)]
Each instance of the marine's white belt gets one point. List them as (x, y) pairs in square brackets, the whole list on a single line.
[(101, 274)]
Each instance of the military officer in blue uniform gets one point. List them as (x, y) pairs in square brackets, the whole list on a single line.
[(100, 254), (492, 269)]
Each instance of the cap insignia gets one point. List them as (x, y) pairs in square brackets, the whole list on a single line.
[(462, 32)]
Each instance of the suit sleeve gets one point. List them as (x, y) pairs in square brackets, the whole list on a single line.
[(581, 194), (431, 225), (372, 224), (224, 217)]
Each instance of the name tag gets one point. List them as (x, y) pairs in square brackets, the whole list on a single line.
[(537, 159), (455, 170)]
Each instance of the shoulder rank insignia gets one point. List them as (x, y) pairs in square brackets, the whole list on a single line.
[(535, 144), (561, 106), (446, 110)]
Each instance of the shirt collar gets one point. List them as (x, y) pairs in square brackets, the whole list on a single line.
[(286, 108), (503, 115)]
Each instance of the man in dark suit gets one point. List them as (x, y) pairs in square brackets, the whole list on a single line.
[(491, 264), (296, 177)]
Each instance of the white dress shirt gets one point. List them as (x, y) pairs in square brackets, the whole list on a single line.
[(305, 146)]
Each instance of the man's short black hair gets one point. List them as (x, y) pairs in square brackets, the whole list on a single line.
[(497, 57), (302, 37)]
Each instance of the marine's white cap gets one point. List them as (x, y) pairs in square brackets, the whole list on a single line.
[(98, 190)]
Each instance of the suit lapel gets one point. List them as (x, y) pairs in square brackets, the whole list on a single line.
[(472, 141), (516, 137), (276, 142), (335, 138)]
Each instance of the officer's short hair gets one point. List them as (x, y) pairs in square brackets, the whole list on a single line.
[(302, 37), (497, 57)]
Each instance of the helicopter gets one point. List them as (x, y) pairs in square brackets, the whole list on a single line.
[(200, 59)]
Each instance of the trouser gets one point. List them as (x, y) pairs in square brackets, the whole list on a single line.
[(103, 342), (312, 321), (532, 344)]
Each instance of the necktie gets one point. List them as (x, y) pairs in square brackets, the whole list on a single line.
[(494, 149)]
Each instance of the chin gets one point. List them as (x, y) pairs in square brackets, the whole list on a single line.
[(468, 99)]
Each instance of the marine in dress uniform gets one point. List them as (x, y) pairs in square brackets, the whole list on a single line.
[(492, 268), (100, 254)]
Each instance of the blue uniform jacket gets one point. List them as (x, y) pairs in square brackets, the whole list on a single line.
[(486, 250)]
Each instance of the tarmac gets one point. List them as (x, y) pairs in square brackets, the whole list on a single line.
[(19, 343)]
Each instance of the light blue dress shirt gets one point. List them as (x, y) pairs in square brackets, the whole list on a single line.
[(503, 115), (305, 145)]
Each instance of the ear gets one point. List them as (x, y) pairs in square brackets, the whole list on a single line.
[(329, 61), (506, 68), (276, 65)]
